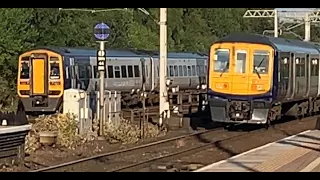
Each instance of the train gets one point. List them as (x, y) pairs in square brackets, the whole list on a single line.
[(256, 79), (45, 72)]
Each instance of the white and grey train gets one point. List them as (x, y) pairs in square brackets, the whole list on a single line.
[(125, 72)]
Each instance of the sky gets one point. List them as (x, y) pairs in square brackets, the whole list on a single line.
[(300, 11)]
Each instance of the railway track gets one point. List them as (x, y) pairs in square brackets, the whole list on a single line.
[(171, 150), (132, 158)]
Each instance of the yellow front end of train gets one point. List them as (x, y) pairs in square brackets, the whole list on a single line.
[(240, 78), (235, 68), (40, 81)]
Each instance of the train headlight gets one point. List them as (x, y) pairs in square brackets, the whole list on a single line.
[(222, 85), (258, 87)]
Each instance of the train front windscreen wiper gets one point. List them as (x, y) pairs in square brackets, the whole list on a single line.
[(225, 69), (255, 68)]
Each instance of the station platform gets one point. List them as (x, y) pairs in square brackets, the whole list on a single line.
[(298, 153)]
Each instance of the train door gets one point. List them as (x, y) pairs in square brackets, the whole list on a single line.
[(292, 76), (240, 76), (284, 74), (83, 73), (300, 75), (307, 75), (39, 83)]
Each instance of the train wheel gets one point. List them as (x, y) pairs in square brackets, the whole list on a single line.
[(267, 124), (228, 127)]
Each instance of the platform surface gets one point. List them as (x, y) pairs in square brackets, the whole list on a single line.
[(298, 153)]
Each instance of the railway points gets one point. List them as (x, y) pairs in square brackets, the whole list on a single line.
[(298, 153)]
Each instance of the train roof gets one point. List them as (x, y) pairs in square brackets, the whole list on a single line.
[(279, 44), (92, 52)]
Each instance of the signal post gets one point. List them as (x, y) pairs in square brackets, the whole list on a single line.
[(101, 34)]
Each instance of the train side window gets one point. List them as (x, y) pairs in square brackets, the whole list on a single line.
[(89, 71), (198, 70), (189, 71), (124, 71), (82, 71), (171, 71), (193, 68), (110, 71), (205, 69), (146, 70), (54, 70), (185, 71), (314, 67), (25, 70), (284, 67), (261, 61), (158, 70), (117, 73), (180, 71), (241, 61), (136, 71), (298, 70), (73, 71), (176, 72), (221, 60), (67, 72), (302, 67), (130, 71), (201, 70), (95, 72)]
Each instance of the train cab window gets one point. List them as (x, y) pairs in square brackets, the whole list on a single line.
[(185, 71), (261, 62), (25, 69), (314, 67), (176, 72), (54, 70), (198, 70), (193, 69), (130, 71), (124, 71), (136, 71), (117, 73), (221, 60), (110, 71), (180, 71), (241, 56)]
